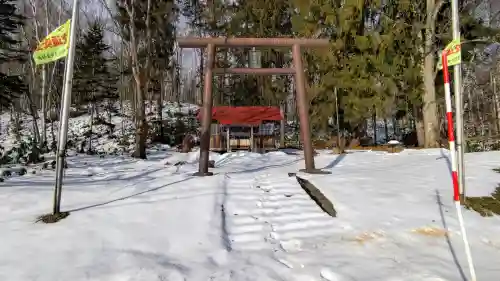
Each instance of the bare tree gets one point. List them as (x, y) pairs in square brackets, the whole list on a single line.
[(140, 74)]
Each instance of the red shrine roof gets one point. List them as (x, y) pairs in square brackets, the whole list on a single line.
[(244, 115)]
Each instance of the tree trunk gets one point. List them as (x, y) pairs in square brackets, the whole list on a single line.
[(91, 125), (374, 126), (395, 131), (200, 95), (110, 108), (15, 112), (420, 132), (386, 130), (480, 114), (140, 114), (43, 137), (32, 108), (419, 125), (429, 107), (140, 124), (33, 112), (122, 114), (122, 89), (160, 105), (497, 104), (143, 126)]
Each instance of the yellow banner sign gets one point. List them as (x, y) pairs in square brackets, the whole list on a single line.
[(55, 46), (453, 54)]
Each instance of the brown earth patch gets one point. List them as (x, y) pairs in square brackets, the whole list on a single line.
[(430, 231)]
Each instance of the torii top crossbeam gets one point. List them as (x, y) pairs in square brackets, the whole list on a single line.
[(197, 42)]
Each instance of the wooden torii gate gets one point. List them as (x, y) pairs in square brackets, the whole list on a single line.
[(211, 43)]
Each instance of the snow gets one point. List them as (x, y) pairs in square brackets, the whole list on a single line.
[(78, 126), (145, 220)]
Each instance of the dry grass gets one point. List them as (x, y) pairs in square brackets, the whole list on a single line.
[(395, 148), (337, 150), (374, 148), (388, 148), (486, 206)]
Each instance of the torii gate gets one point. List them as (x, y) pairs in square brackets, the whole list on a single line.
[(298, 70)]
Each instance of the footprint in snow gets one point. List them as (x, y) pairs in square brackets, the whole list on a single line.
[(293, 245), (329, 275)]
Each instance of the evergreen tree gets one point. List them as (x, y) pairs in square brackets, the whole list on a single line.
[(94, 81), (344, 66), (259, 18), (11, 22), (245, 18), (376, 55)]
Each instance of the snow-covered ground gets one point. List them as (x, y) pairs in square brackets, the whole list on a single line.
[(144, 220)]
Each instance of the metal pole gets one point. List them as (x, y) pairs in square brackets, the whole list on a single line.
[(66, 102), (457, 89)]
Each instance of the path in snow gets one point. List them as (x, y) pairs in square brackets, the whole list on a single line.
[(271, 209)]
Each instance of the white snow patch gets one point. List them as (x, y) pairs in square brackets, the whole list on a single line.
[(144, 220)]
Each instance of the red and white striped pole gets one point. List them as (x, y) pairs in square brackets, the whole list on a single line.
[(451, 134), (454, 164)]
